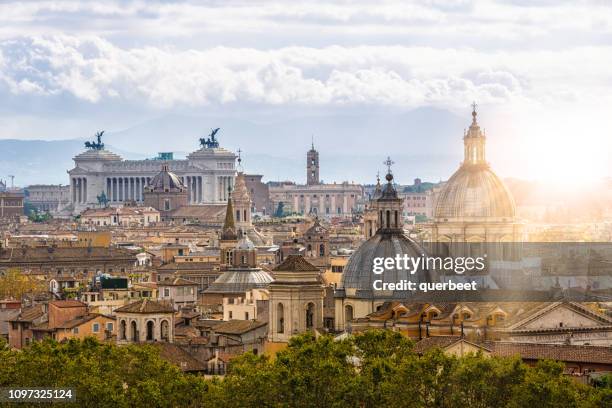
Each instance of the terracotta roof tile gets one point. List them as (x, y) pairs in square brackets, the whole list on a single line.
[(67, 303), (238, 326), (561, 352), (295, 263), (179, 357), (146, 306)]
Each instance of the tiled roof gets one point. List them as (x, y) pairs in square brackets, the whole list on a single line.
[(179, 357), (296, 263), (67, 303), (561, 352), (38, 254), (29, 314), (176, 282), (146, 306), (209, 212), (181, 266), (80, 320), (238, 326), (436, 341)]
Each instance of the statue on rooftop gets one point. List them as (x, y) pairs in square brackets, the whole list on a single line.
[(212, 141), (96, 145)]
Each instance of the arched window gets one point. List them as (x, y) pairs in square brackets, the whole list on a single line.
[(165, 330), (322, 250), (310, 315), (134, 330), (348, 313), (238, 215), (150, 327), (396, 220), (388, 219), (245, 216), (123, 330), (280, 318)]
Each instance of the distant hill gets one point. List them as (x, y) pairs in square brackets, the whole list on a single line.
[(423, 143)]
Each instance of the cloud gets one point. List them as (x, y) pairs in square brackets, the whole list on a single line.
[(92, 69)]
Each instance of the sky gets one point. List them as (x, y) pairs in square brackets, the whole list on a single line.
[(539, 71)]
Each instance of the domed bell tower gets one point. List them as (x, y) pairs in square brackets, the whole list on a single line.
[(474, 141), (389, 205)]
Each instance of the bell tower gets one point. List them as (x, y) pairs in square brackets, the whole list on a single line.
[(389, 205), (312, 166)]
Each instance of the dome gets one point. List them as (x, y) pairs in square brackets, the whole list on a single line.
[(240, 280), (475, 192), (166, 181), (358, 275), (389, 242)]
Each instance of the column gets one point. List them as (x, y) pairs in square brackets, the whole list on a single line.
[(333, 210), (321, 204), (85, 190), (345, 204), (79, 190), (194, 189), (199, 189), (188, 185), (73, 190)]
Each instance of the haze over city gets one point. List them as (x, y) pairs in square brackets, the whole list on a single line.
[(364, 79)]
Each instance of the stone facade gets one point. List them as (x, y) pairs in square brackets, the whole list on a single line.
[(11, 205), (207, 173), (145, 321), (50, 198), (260, 194), (324, 200), (296, 299)]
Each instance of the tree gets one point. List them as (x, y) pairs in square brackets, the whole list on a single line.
[(376, 368), (103, 375), (15, 284)]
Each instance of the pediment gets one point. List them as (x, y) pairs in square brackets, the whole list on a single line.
[(562, 315)]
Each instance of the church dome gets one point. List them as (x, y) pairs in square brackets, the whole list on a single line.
[(358, 276), (474, 191), (389, 242), (166, 181)]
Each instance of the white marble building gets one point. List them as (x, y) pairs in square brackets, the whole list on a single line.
[(207, 172)]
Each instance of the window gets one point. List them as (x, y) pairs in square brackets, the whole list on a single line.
[(95, 328), (109, 327), (75, 330), (166, 292), (246, 315), (230, 314)]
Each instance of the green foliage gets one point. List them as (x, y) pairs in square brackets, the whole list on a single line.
[(38, 217), (376, 368), (103, 375)]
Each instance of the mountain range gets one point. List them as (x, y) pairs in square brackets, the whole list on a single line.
[(423, 143)]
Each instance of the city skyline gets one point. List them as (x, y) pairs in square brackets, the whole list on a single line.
[(349, 73)]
